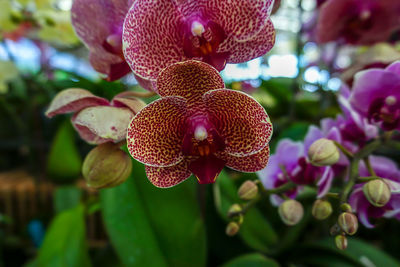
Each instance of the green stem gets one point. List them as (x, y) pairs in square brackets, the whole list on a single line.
[(344, 150), (367, 179), (369, 167)]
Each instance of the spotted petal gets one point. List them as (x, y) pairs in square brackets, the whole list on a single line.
[(259, 45), (252, 163), (102, 123), (240, 120), (242, 19), (189, 79), (155, 134), (168, 176), (151, 39), (72, 100)]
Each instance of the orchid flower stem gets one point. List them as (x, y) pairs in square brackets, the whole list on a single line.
[(264, 193), (353, 168), (367, 178), (344, 150), (332, 195), (369, 167)]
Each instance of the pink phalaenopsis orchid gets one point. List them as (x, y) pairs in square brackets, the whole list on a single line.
[(99, 25), (198, 127), (96, 119), (359, 22), (159, 33)]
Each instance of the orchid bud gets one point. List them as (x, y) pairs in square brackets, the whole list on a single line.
[(348, 222), (323, 152), (248, 190), (377, 192), (106, 166), (232, 229), (345, 207), (341, 242), (234, 213), (291, 212), (321, 209)]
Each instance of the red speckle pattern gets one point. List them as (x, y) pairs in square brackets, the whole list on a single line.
[(168, 176), (257, 46), (252, 163), (155, 134), (189, 79), (154, 32), (94, 21), (240, 120), (151, 37)]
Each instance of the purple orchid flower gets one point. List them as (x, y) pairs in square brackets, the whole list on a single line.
[(388, 170), (96, 119), (157, 34), (359, 22), (98, 23), (376, 96)]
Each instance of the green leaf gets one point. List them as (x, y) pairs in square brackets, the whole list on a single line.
[(149, 226), (255, 231), (65, 241), (252, 260), (66, 197), (64, 161)]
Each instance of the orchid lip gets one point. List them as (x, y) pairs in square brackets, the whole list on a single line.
[(197, 28)]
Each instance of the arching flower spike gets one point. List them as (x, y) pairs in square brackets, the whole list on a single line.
[(198, 127), (160, 33)]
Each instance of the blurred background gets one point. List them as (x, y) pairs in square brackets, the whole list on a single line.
[(49, 217)]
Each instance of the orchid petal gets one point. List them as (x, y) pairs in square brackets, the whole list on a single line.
[(241, 121), (151, 39), (252, 163), (133, 103), (189, 79), (105, 122), (242, 19), (168, 176), (324, 184), (72, 100), (155, 134), (259, 45)]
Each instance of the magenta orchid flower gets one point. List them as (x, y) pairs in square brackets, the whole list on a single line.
[(96, 119), (388, 170), (376, 96), (159, 33), (359, 22), (99, 25), (198, 126)]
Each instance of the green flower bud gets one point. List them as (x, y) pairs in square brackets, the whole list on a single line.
[(232, 229), (248, 190), (346, 207), (233, 213), (106, 166), (321, 209), (323, 152), (377, 192), (291, 212), (341, 242), (348, 222)]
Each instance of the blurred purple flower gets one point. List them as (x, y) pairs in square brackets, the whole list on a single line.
[(359, 22), (99, 25), (384, 168), (157, 34), (376, 96)]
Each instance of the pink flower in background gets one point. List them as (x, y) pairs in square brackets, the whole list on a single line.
[(198, 127), (359, 22), (376, 96), (160, 33), (98, 23), (96, 119), (384, 168)]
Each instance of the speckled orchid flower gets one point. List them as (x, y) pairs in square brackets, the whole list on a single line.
[(159, 33), (98, 23), (96, 119), (198, 126), (376, 96)]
